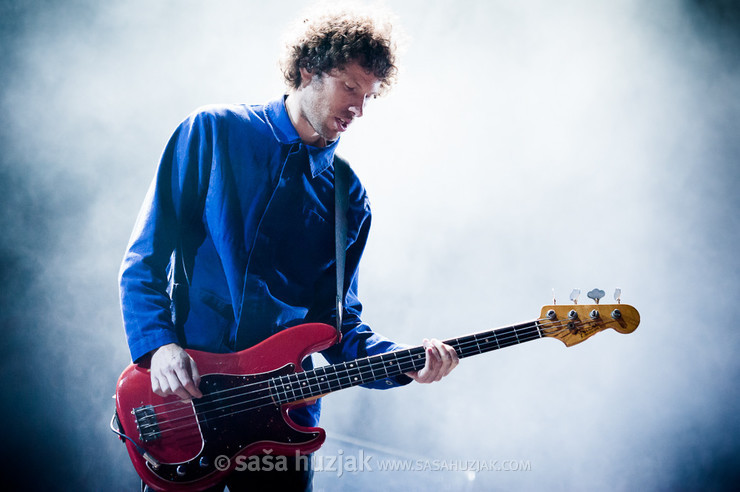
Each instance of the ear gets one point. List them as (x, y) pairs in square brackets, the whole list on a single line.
[(306, 77)]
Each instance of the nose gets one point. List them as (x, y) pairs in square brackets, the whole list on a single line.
[(358, 107)]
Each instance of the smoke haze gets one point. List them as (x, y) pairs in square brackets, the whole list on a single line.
[(529, 146)]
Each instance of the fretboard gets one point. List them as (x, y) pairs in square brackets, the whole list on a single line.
[(325, 379)]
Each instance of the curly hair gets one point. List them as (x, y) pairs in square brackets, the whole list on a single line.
[(332, 40)]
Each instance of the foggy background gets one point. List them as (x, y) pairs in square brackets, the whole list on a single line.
[(528, 146)]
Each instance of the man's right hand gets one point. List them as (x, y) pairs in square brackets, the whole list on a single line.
[(174, 372)]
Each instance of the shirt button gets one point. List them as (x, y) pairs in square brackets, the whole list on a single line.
[(389, 382)]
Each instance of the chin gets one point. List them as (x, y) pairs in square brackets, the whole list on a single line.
[(330, 136)]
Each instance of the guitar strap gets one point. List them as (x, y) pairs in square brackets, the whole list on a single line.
[(341, 206)]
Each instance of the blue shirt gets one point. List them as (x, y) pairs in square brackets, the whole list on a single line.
[(252, 208)]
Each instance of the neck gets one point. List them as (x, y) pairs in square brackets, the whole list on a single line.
[(307, 133), (325, 379)]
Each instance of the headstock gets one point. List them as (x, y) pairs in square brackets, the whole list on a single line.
[(574, 324)]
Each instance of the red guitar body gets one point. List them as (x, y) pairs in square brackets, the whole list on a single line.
[(185, 437)]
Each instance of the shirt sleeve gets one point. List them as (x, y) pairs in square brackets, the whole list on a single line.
[(175, 196), (358, 339)]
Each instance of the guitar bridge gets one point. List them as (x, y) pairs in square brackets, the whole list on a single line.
[(146, 423)]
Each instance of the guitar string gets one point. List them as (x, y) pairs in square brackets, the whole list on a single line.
[(372, 362), (344, 374), (367, 371), (513, 328), (270, 402), (201, 416)]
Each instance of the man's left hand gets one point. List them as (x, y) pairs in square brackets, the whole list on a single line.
[(441, 359)]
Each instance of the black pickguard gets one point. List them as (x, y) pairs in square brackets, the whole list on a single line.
[(231, 419)]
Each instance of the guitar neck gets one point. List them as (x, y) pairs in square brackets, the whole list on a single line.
[(326, 379)]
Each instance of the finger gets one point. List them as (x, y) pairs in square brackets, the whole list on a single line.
[(428, 373), (447, 352), (186, 381), (165, 388), (157, 387), (438, 365), (196, 377), (448, 358), (176, 386), (185, 374), (453, 357), (420, 375), (441, 359)]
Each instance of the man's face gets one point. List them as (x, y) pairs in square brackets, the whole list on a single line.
[(330, 101)]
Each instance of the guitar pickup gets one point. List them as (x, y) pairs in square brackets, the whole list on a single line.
[(146, 423)]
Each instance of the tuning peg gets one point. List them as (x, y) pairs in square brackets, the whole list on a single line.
[(618, 295), (596, 294), (574, 295), (554, 301)]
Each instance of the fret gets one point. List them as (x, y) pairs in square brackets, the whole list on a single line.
[(488, 336), (309, 384), (375, 362), (504, 338), (324, 386), (353, 374), (457, 344), (345, 377), (407, 363), (397, 365), (296, 384), (480, 350), (366, 370), (496, 339), (530, 332), (300, 384), (419, 359), (293, 386), (331, 378), (284, 385), (337, 381), (314, 389), (467, 346), (272, 389), (390, 364), (384, 365)]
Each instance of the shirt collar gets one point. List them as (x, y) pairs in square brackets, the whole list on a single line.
[(320, 158)]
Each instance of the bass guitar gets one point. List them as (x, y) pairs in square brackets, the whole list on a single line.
[(174, 443)]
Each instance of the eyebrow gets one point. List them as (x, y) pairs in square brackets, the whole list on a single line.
[(347, 77), (358, 85)]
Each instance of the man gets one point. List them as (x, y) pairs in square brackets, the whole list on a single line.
[(245, 196)]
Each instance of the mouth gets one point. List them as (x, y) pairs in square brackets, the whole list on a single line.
[(342, 124)]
